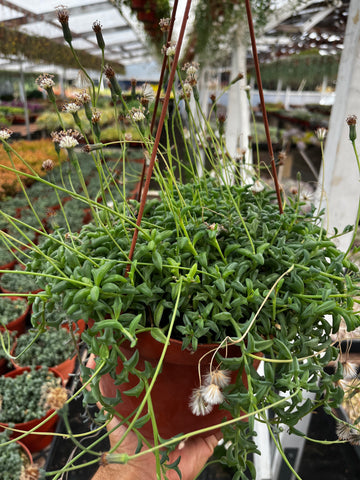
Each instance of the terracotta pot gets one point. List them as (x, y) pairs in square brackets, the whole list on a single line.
[(146, 16), (64, 369), (18, 324), (4, 365), (27, 452), (8, 266), (34, 442), (172, 390)]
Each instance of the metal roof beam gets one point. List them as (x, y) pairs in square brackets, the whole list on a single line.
[(315, 19), (50, 16)]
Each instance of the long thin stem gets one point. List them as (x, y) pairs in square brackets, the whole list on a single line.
[(262, 102)]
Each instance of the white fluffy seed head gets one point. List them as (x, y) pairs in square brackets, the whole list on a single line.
[(198, 405), (221, 378), (212, 394)]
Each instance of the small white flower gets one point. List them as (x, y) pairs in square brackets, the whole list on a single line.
[(5, 133), (212, 394), (171, 49), (71, 107), (321, 133), (48, 165), (197, 404), (45, 81), (96, 116), (187, 89), (68, 142), (137, 114), (82, 97), (192, 70), (218, 377)]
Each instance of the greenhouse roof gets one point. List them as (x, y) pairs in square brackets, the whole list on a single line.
[(23, 20), (31, 35)]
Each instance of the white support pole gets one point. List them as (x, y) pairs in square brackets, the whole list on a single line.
[(341, 176), (24, 100), (238, 111)]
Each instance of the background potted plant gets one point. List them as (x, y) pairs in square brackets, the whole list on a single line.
[(11, 282), (55, 348), (29, 398), (16, 461), (13, 313)]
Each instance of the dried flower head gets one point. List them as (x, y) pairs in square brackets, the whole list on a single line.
[(113, 84), (346, 433), (55, 397), (349, 369), (45, 81), (238, 77), (63, 17), (82, 97), (109, 72), (198, 405), (62, 14), (147, 92), (91, 147), (164, 24), (97, 26), (351, 120), (218, 377), (48, 165), (96, 116), (30, 472), (82, 81), (5, 133), (186, 90), (212, 394)]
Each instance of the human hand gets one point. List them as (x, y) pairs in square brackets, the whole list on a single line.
[(194, 453)]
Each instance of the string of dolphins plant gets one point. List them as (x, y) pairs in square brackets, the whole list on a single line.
[(215, 263)]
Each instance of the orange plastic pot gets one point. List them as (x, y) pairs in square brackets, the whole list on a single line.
[(33, 441), (18, 324), (173, 388)]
